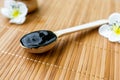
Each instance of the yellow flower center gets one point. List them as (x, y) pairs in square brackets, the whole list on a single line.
[(15, 13), (116, 29)]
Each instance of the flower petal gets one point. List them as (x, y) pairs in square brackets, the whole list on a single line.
[(18, 20), (5, 12), (105, 30), (114, 18), (119, 41), (9, 3), (23, 8), (114, 38)]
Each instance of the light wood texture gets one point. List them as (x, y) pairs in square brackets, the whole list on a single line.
[(84, 55)]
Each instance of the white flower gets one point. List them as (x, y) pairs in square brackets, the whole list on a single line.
[(112, 29), (15, 11)]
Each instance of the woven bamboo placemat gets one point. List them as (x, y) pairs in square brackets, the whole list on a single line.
[(84, 55)]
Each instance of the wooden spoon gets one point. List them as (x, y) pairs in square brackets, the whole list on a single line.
[(43, 40)]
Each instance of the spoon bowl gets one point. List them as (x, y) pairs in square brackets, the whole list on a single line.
[(40, 49), (38, 41), (44, 40)]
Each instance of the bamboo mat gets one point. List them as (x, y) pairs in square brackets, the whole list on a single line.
[(84, 55)]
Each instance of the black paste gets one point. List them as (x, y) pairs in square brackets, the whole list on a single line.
[(38, 38)]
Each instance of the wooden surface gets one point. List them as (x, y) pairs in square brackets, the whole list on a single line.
[(84, 55)]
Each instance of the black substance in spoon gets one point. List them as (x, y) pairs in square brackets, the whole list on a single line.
[(38, 38)]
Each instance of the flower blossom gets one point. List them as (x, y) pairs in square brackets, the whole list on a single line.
[(15, 11), (112, 29)]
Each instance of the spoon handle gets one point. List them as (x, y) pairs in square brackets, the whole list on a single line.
[(81, 27)]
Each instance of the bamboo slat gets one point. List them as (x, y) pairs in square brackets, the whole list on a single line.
[(84, 55)]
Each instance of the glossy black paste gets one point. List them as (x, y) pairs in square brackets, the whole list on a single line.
[(38, 38)]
